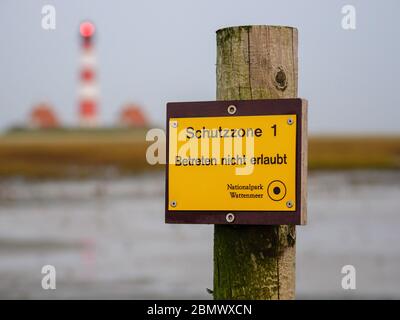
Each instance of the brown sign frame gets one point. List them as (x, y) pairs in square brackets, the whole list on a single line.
[(246, 108)]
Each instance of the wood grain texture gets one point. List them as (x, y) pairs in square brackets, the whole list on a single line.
[(304, 162), (255, 262)]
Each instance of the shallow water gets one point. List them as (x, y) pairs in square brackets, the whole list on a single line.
[(107, 239)]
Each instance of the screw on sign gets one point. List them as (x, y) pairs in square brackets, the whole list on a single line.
[(230, 217), (232, 109)]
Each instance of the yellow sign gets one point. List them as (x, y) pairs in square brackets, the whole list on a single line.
[(233, 163)]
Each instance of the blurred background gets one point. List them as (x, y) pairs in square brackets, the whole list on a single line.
[(83, 81)]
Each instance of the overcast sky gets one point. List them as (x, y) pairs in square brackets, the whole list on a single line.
[(152, 52)]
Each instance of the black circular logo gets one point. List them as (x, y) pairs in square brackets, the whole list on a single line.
[(276, 190)]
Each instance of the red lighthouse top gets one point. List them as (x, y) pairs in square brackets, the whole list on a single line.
[(86, 29)]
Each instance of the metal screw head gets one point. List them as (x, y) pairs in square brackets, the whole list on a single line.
[(230, 217), (232, 109), (174, 124), (290, 121), (289, 204), (173, 203)]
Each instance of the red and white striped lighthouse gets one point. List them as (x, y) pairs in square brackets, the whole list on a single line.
[(88, 90)]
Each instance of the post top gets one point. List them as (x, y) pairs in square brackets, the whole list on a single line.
[(248, 27)]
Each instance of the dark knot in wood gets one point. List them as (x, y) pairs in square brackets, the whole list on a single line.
[(281, 80)]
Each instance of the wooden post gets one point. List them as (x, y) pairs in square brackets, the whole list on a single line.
[(255, 262)]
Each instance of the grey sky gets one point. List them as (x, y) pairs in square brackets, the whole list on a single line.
[(151, 52)]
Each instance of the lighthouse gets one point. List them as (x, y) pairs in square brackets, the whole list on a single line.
[(88, 88)]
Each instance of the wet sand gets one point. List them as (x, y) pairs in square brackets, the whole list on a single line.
[(107, 239)]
